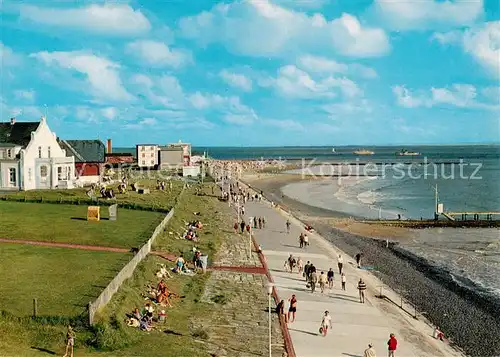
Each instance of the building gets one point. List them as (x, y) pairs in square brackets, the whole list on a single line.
[(89, 159), (116, 159), (186, 151), (171, 157), (148, 155), (31, 158)]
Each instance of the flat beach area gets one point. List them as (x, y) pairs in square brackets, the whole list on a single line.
[(467, 317)]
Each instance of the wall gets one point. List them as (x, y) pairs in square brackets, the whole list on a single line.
[(30, 161), (126, 272), (171, 158)]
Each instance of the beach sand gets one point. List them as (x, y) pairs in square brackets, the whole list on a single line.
[(471, 320), (272, 184)]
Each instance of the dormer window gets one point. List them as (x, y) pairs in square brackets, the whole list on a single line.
[(39, 152)]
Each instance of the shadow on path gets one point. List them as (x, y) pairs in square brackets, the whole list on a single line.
[(302, 331), (43, 350)]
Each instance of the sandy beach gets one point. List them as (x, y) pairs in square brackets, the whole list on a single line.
[(272, 185), (468, 317)]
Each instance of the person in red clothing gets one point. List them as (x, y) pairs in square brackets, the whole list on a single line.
[(392, 344)]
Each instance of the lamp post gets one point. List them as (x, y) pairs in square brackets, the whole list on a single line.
[(269, 292), (250, 237)]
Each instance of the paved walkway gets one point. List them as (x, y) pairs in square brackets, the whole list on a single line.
[(354, 324)]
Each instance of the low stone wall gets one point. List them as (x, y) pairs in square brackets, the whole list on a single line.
[(126, 272)]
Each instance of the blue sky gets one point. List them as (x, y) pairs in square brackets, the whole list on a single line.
[(255, 72)]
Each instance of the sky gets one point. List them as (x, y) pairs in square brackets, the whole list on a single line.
[(255, 72)]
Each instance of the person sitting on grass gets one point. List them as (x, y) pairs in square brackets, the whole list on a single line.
[(179, 264), (137, 314), (162, 294), (148, 310), (146, 324)]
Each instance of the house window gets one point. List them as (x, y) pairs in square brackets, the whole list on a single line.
[(43, 171), (152, 154), (143, 148), (59, 173), (152, 162), (12, 176), (30, 174), (63, 173), (143, 155), (39, 152), (143, 162), (48, 151)]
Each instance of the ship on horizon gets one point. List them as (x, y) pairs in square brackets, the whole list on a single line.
[(363, 152), (404, 152)]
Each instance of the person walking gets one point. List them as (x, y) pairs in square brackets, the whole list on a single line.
[(326, 323), (260, 222), (300, 264), (361, 288), (306, 270), (235, 227), (392, 344), (70, 342), (358, 259), (280, 310), (340, 263), (370, 351), (263, 223), (343, 280), (322, 282), (330, 276), (242, 226), (291, 262), (288, 224), (293, 308), (314, 279), (306, 240), (301, 240)]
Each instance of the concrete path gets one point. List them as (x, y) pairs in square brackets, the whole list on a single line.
[(354, 324)]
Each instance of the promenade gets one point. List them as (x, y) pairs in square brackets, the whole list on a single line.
[(354, 324)]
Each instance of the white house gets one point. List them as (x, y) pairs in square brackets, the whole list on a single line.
[(147, 155), (31, 158)]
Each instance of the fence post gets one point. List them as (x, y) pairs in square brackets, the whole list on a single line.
[(91, 317), (35, 307)]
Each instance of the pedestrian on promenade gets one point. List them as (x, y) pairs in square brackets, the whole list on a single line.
[(291, 262), (280, 310), (330, 276), (343, 280), (361, 288), (301, 240), (263, 223), (293, 308), (300, 265), (235, 227), (288, 224), (358, 259), (326, 323), (340, 263), (370, 351), (306, 270), (242, 226), (322, 281), (260, 222), (314, 280), (392, 344), (306, 240), (70, 342)]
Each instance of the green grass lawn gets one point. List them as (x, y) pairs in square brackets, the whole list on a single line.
[(63, 280), (160, 199), (68, 224)]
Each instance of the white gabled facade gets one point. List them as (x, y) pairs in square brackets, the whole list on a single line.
[(42, 164)]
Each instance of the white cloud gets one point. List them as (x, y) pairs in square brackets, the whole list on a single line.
[(7, 56), (458, 95), (236, 80), (157, 53), (102, 74), (109, 112), (323, 65), (430, 14), (25, 95), (285, 124), (231, 108), (481, 42), (302, 4), (484, 45), (260, 28), (145, 123), (165, 91), (104, 19), (295, 83)]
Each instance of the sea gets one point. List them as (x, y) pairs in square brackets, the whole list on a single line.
[(385, 185)]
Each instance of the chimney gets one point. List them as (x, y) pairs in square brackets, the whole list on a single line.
[(12, 121), (109, 146)]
